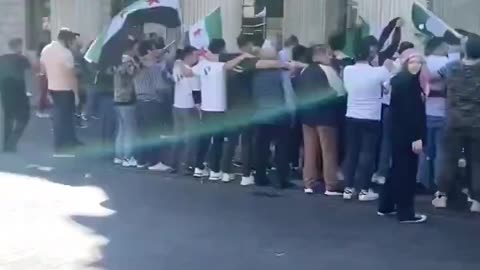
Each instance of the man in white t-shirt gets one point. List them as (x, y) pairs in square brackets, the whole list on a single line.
[(212, 76), (58, 63), (363, 125), (185, 115)]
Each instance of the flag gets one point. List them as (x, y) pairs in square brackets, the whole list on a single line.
[(109, 45), (262, 14), (210, 27), (428, 23), (363, 28)]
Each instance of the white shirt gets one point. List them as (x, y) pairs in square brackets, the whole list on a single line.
[(183, 97), (58, 62), (363, 84), (213, 85)]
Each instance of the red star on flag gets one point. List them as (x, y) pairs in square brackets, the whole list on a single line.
[(197, 32), (152, 2)]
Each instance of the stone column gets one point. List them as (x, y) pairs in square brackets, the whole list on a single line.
[(87, 17), (312, 20)]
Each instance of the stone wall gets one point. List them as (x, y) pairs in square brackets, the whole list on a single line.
[(12, 21)]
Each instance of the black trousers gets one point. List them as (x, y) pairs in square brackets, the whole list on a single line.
[(279, 136), (63, 120), (398, 193), (152, 123), (246, 134), (212, 136), (361, 137), (16, 113)]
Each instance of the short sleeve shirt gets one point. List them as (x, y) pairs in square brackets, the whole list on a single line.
[(184, 87), (213, 85), (59, 63), (364, 85), (239, 82)]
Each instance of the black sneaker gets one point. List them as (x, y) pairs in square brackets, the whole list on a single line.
[(415, 220)]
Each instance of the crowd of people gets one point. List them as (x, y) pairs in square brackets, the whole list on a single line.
[(386, 119)]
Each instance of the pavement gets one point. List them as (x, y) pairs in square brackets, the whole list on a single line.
[(84, 213)]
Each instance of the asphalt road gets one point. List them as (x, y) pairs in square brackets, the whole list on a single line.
[(84, 213)]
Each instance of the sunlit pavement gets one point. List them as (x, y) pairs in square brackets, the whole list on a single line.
[(84, 213)]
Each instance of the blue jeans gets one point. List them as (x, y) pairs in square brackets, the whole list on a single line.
[(429, 167), (126, 132), (385, 158)]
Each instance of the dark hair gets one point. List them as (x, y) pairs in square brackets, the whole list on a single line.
[(433, 44), (159, 43), (15, 43), (405, 46), (337, 41), (299, 53), (144, 47), (362, 50), (243, 41), (187, 51), (370, 41), (217, 45), (130, 44), (291, 41), (179, 54), (472, 47)]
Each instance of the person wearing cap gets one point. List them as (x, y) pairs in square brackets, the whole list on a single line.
[(16, 108), (59, 65)]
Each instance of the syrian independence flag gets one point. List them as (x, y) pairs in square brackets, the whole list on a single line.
[(210, 27), (107, 49), (430, 24)]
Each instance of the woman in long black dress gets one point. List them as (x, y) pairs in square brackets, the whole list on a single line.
[(408, 137)]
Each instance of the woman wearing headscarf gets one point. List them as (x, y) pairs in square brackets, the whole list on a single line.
[(408, 130)]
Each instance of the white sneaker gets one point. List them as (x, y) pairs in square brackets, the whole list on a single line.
[(417, 219), (199, 173), (215, 176), (117, 161), (475, 207), (160, 167), (378, 179), (348, 193), (62, 155), (130, 163), (42, 115), (333, 193), (308, 191), (228, 177), (467, 192), (440, 200), (367, 196), (247, 181)]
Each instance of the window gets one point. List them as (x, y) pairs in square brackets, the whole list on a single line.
[(37, 23), (274, 7)]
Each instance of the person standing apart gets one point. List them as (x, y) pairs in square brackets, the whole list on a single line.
[(15, 103), (125, 99), (363, 84), (59, 65), (407, 111)]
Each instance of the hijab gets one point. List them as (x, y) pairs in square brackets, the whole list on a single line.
[(424, 74)]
